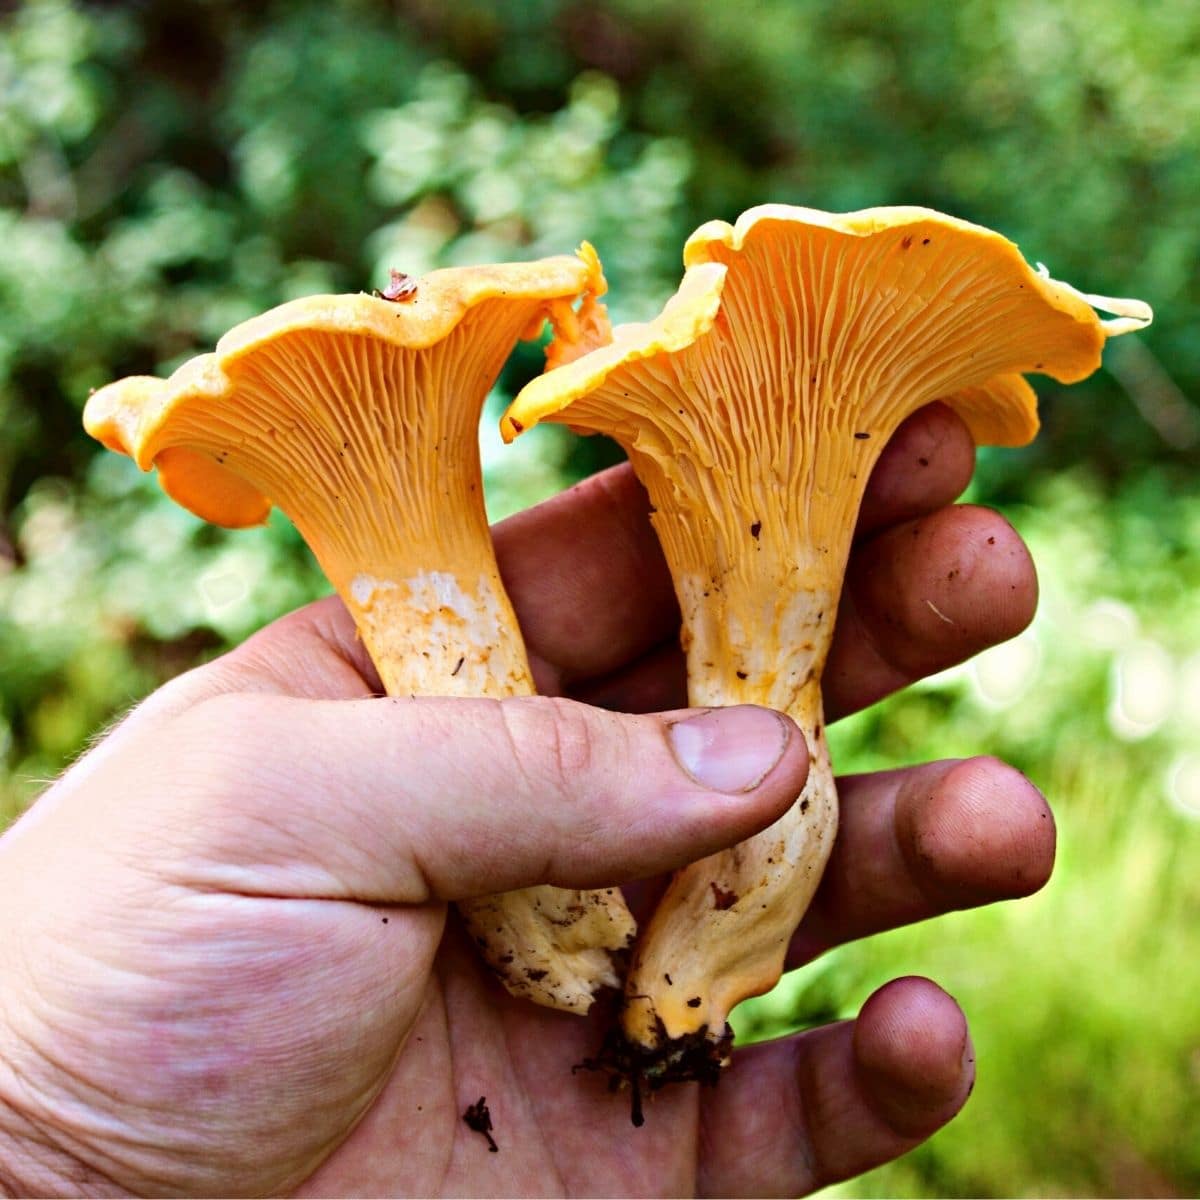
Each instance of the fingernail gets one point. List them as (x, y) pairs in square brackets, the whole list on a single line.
[(729, 749)]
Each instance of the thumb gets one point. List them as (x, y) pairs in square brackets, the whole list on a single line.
[(411, 800)]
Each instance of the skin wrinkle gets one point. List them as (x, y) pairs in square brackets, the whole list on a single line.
[(571, 747), (506, 716), (778, 1077), (53, 1175), (426, 1029), (465, 1081), (52, 1132), (20, 1081), (805, 1143), (528, 1114), (448, 1042)]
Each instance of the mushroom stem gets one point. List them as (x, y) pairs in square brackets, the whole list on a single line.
[(443, 633), (757, 623)]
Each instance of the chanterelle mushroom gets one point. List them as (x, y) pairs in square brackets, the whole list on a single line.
[(358, 416), (753, 408)]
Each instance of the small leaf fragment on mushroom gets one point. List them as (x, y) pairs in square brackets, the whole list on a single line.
[(401, 289)]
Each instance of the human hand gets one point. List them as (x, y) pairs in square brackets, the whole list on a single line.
[(229, 966)]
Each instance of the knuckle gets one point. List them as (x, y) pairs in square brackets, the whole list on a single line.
[(221, 740), (560, 750), (547, 736), (225, 720), (571, 741)]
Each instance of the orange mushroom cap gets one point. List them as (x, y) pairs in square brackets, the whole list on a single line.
[(953, 307), (317, 349)]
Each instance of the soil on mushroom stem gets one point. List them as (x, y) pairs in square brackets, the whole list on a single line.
[(692, 1058)]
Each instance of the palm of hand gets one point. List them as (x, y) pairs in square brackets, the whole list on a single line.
[(557, 1133)]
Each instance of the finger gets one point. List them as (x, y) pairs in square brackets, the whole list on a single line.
[(587, 577), (918, 842), (926, 465), (655, 682), (923, 596), (806, 1111), (408, 801)]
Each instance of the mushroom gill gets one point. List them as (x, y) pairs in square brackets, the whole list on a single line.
[(753, 409), (358, 416)]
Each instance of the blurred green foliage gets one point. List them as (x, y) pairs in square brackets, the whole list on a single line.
[(170, 168)]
